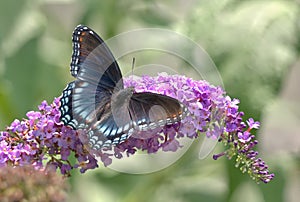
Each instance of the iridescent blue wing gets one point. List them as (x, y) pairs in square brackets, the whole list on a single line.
[(97, 77), (90, 52), (93, 63)]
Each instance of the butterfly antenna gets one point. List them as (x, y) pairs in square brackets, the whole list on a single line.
[(132, 67)]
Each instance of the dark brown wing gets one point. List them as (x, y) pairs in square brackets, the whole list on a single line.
[(151, 110)]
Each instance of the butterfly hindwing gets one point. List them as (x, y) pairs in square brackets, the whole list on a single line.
[(66, 112)]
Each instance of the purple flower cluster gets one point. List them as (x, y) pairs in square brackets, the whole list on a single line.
[(240, 143), (43, 138)]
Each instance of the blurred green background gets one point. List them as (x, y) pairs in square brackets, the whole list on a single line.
[(254, 44)]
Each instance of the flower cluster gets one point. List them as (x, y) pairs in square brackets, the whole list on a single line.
[(240, 143), (43, 138)]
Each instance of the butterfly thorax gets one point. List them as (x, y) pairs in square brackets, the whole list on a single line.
[(122, 96)]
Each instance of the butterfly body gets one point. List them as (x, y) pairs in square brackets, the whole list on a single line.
[(98, 102)]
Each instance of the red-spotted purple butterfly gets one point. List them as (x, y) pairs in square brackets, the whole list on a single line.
[(98, 102)]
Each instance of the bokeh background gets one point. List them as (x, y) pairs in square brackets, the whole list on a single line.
[(254, 44)]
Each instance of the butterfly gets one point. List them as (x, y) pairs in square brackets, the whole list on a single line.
[(97, 101)]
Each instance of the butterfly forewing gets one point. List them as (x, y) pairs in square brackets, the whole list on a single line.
[(152, 110), (90, 51)]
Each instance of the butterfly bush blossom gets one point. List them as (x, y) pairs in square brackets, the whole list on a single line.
[(43, 141)]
